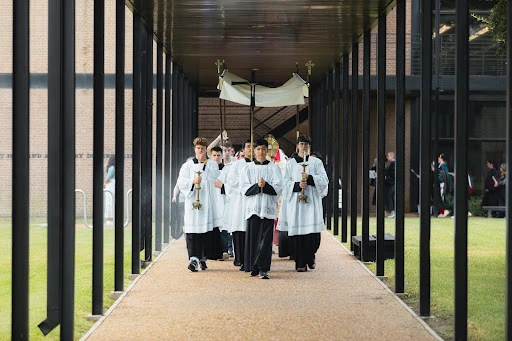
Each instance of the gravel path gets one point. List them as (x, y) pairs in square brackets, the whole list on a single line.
[(339, 300)]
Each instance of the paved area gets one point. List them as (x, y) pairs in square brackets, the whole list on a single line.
[(339, 300)]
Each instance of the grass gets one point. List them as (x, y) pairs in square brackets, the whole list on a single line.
[(486, 274), (37, 278)]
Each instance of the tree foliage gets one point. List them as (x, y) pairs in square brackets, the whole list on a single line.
[(497, 23)]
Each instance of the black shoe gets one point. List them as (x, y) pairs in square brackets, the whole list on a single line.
[(303, 269), (264, 275), (255, 273), (237, 263), (312, 265), (192, 266), (242, 268), (203, 265)]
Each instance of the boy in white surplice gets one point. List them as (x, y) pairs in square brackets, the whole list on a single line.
[(198, 220), (261, 183), (304, 218)]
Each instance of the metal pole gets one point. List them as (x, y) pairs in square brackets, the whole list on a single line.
[(148, 237), (461, 170), (353, 147), (336, 147), (435, 118), (328, 144), (176, 158), (167, 150), (61, 169), (425, 138), (365, 201), (120, 125), (68, 171), (20, 170), (381, 139), (345, 150), (159, 146), (400, 145), (508, 216), (136, 168), (98, 158)]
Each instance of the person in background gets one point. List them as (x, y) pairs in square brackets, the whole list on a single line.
[(502, 201), (110, 185), (445, 186), (389, 185), (491, 193)]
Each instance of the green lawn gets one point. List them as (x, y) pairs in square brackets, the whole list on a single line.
[(486, 274), (37, 274)]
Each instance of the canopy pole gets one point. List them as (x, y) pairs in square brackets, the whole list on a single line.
[(218, 63), (309, 65)]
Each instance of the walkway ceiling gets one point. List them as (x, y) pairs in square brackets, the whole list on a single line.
[(269, 35)]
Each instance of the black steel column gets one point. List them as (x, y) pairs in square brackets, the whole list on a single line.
[(61, 169), (176, 157), (322, 139), (120, 125), (148, 237), (143, 139), (336, 147), (136, 160), (98, 159), (508, 215), (159, 146), (400, 144), (365, 201), (328, 144), (381, 140), (167, 150), (425, 142), (461, 169), (346, 150), (353, 145), (20, 170)]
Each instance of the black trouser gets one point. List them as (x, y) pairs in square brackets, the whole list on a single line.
[(195, 245), (213, 244), (258, 244), (305, 248), (227, 241), (239, 247), (285, 245)]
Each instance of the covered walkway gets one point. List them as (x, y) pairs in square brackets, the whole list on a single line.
[(339, 300)]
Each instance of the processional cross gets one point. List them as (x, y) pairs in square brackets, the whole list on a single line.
[(252, 84)]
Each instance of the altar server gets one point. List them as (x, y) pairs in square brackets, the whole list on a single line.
[(305, 184), (261, 183)]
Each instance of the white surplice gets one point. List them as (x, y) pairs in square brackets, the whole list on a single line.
[(303, 218), (238, 223), (205, 219), (262, 204), (223, 177)]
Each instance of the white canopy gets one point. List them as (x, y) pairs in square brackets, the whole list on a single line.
[(290, 93)]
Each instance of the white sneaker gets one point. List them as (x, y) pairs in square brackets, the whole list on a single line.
[(445, 214), (110, 223), (392, 215)]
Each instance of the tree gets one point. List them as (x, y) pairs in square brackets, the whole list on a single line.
[(497, 22)]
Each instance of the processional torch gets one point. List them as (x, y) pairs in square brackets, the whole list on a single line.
[(196, 205), (302, 196)]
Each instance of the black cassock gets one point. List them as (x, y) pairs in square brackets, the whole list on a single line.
[(258, 244)]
